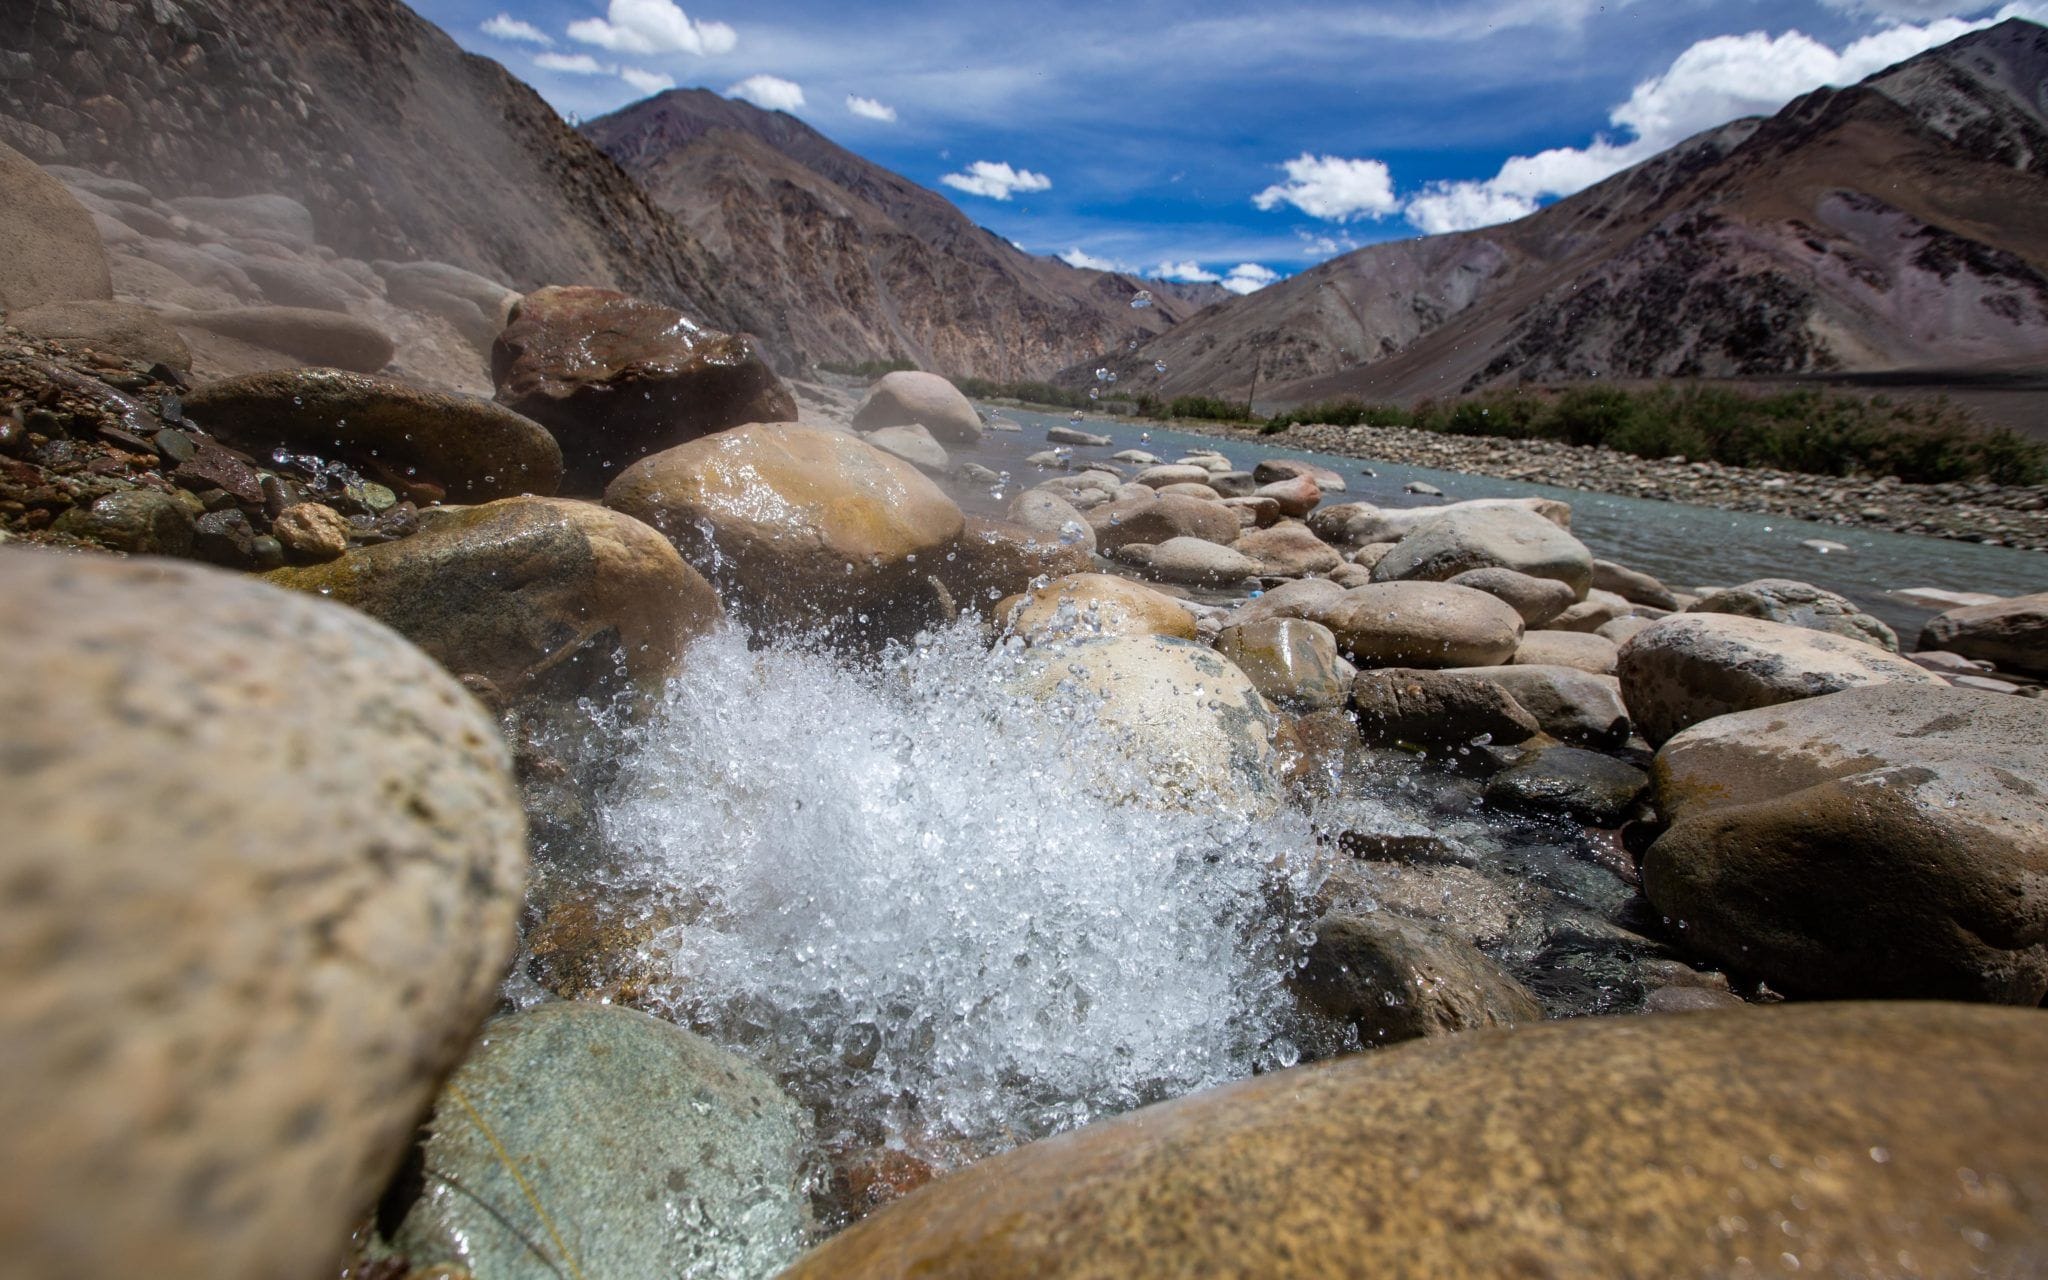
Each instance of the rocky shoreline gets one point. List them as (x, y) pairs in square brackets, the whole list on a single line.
[(1993, 514)]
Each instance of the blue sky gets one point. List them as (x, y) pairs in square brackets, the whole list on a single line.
[(1202, 140)]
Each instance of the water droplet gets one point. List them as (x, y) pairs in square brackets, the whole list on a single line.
[(1141, 299), (1159, 366), (1102, 375), (1094, 393)]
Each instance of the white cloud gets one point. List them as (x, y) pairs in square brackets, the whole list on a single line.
[(869, 109), (1333, 188), (652, 26), (770, 93), (646, 81), (1187, 271), (507, 27), (1710, 83), (575, 64), (1079, 257), (1249, 277), (997, 181)]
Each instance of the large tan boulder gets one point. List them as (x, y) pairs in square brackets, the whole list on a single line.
[(1882, 841), (1464, 538), (1084, 604), (1715, 1144), (906, 398), (264, 859), (544, 597), (616, 378), (1198, 562), (1580, 649), (1288, 550), (2010, 634), (50, 249), (1691, 667), (1422, 624), (799, 528)]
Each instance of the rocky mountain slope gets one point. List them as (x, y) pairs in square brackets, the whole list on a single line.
[(1899, 223), (847, 261), (402, 145)]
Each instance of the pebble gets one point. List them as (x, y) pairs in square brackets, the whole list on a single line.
[(312, 532)]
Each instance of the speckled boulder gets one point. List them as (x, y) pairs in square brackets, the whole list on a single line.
[(1085, 604), (653, 1151), (1691, 667), (1670, 1146), (1798, 604), (1884, 841), (392, 431), (1463, 538), (264, 861), (544, 597), (798, 527), (616, 378)]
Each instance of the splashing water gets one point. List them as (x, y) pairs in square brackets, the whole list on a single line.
[(917, 903)]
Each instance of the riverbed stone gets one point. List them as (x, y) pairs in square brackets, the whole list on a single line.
[(1632, 585), (1189, 490), (914, 445), (536, 595), (1084, 604), (1271, 470), (1799, 604), (1691, 667), (906, 397), (1288, 550), (1292, 661), (994, 559), (1594, 612), (1545, 1150), (1191, 719), (1538, 600), (311, 533), (1585, 785), (144, 522), (1572, 705), (1300, 599), (1882, 841), (1581, 649), (652, 1151), (265, 859), (1158, 518), (1297, 496), (1198, 562), (50, 249), (1084, 489), (1463, 538), (1048, 513), (125, 329), (392, 431), (1392, 980), (1436, 709), (2012, 634), (330, 339), (1354, 524), (1170, 474), (616, 378), (1422, 624), (798, 527)]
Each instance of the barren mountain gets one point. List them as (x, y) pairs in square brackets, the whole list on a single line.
[(1899, 223), (847, 261), (401, 144)]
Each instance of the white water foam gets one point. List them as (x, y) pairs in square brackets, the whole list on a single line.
[(923, 909)]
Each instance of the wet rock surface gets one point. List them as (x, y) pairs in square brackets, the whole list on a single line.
[(1393, 980)]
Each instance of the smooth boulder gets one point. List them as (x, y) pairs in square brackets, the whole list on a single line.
[(649, 1150), (402, 435), (616, 378), (265, 859), (1196, 562), (1538, 600), (1436, 709), (1798, 604), (50, 248), (909, 398), (543, 597), (1393, 979), (1464, 538), (1883, 841), (1154, 520), (1669, 1146), (1584, 650), (1086, 604), (1422, 624), (1691, 667), (914, 445), (1287, 550), (1571, 704), (326, 338), (124, 329), (2010, 634), (798, 527), (1356, 524), (1292, 661)]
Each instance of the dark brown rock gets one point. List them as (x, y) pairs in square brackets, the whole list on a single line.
[(1436, 709), (616, 379), (1394, 979)]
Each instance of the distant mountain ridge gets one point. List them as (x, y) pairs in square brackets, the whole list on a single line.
[(846, 261), (1902, 222)]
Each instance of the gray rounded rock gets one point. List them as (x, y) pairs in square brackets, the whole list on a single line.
[(265, 859), (2012, 634), (1572, 705), (1462, 538), (1538, 600), (1197, 562), (1799, 604)]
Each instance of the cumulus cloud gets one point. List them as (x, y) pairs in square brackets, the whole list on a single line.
[(1710, 83), (1333, 188), (507, 27), (869, 109), (653, 26), (646, 81), (770, 93), (1079, 257), (1187, 271), (575, 64), (1249, 277), (997, 181)]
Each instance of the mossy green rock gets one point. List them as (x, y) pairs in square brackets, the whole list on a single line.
[(1843, 1140), (541, 596), (474, 450), (641, 1150)]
